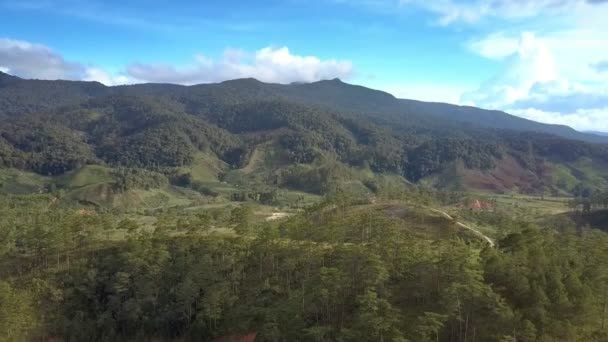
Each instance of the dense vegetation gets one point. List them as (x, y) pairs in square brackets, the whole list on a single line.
[(333, 272), (291, 212), (163, 127)]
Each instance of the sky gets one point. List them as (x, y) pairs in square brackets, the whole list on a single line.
[(546, 60)]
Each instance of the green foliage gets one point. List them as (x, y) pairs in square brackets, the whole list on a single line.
[(432, 156), (207, 129), (43, 147), (90, 174), (346, 269), (132, 178), (151, 148), (318, 180), (341, 270), (241, 218), (18, 319), (21, 182)]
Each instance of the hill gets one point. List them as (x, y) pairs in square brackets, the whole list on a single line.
[(245, 134), (340, 270), (603, 134), (19, 96), (497, 119)]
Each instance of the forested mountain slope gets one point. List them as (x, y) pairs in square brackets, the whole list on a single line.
[(312, 135), (340, 270), (495, 119), (19, 96), (304, 212)]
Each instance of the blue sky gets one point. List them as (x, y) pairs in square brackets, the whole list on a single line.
[(542, 59)]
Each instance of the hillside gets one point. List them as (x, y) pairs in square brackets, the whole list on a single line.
[(16, 97), (343, 269), (304, 137), (497, 119), (603, 134), (242, 208)]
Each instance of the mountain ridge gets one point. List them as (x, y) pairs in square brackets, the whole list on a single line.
[(605, 134), (307, 137), (334, 94)]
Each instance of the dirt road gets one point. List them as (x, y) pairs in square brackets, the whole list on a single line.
[(475, 231)]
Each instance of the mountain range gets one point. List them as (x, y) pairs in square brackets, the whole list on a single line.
[(604, 134), (307, 136), (333, 94)]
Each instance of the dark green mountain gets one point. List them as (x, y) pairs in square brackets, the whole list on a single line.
[(19, 96), (495, 119), (299, 131)]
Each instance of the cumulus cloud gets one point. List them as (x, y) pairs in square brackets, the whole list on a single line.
[(495, 46), (563, 98), (556, 75), (269, 64), (583, 119), (30, 60), (36, 61), (102, 76), (529, 63), (452, 11), (550, 78)]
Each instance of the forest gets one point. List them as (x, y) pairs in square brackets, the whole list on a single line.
[(302, 212), (163, 127), (331, 272)]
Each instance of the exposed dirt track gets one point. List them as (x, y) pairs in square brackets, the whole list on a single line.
[(460, 224)]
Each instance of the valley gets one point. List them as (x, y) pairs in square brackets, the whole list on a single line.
[(304, 171), (318, 212)]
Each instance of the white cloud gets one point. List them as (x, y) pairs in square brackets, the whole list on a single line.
[(448, 12), (29, 60), (36, 61), (550, 77), (4, 69), (277, 65), (583, 119), (102, 76), (495, 46), (531, 63), (553, 56), (556, 75), (453, 11)]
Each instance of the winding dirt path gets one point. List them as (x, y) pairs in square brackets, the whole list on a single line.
[(460, 224)]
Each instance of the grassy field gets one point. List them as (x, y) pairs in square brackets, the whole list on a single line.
[(92, 185), (562, 177), (206, 167), (591, 172), (421, 220), (544, 205), (21, 182), (87, 175)]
